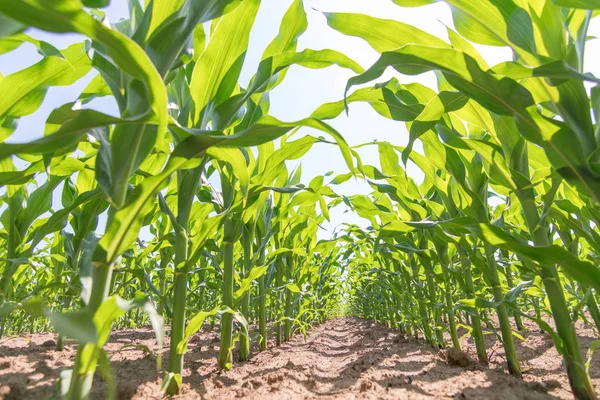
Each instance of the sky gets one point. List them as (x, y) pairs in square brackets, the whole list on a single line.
[(303, 90)]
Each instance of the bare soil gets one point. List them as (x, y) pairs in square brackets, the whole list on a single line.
[(345, 358)]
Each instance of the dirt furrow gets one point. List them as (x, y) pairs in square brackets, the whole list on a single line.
[(345, 358)]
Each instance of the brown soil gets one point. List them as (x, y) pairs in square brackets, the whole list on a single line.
[(345, 358)]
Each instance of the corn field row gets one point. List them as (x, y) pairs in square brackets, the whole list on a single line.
[(183, 209)]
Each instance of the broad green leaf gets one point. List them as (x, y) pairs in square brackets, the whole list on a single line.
[(161, 10), (443, 103), (58, 220), (275, 66), (174, 24), (77, 325), (389, 160), (96, 3), (292, 287), (293, 24), (194, 326), (246, 285), (68, 17), (459, 43), (12, 42), (266, 129), (548, 255), (381, 34), (276, 161), (95, 89), (71, 126), (394, 228), (24, 90), (584, 4), (503, 96), (382, 98), (557, 71), (215, 74), (114, 307), (9, 26), (236, 159), (493, 23)]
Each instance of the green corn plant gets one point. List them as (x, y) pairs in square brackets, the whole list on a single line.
[(502, 228), (148, 64), (263, 232), (187, 184), (472, 79)]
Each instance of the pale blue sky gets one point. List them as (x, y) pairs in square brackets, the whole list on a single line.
[(303, 90)]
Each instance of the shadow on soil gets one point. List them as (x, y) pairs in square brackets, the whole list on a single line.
[(342, 356)]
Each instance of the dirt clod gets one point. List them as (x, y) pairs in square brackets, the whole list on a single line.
[(552, 384), (366, 386), (10, 392), (49, 343), (458, 358), (544, 387), (218, 383), (310, 383), (538, 387), (274, 378)]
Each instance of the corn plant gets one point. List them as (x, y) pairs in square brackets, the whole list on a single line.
[(180, 109), (501, 120), (182, 209)]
